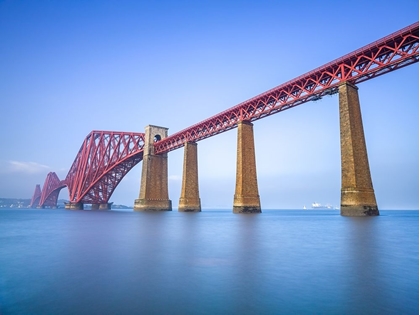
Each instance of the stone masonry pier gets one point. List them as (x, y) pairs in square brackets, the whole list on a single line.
[(357, 194), (153, 194), (190, 199), (246, 199)]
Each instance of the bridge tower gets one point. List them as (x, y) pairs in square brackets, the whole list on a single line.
[(153, 194), (357, 194), (246, 199)]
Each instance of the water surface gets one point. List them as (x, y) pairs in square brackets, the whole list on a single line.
[(213, 262)]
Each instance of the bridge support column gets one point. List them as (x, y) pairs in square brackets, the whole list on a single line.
[(357, 194), (154, 176), (74, 206), (246, 199), (105, 206), (190, 199), (101, 206)]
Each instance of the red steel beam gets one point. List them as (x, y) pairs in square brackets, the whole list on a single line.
[(390, 53), (104, 158), (51, 190), (35, 197)]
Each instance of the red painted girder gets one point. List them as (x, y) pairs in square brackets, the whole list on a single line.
[(104, 158), (51, 190), (35, 197), (385, 55)]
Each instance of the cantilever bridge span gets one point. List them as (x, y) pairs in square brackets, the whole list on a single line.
[(105, 157)]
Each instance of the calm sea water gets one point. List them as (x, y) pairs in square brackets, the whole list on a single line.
[(213, 262)]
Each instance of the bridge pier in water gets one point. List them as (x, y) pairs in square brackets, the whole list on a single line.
[(190, 199), (74, 206), (101, 206), (153, 194), (246, 199), (357, 194)]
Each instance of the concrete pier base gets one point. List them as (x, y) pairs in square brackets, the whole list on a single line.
[(357, 194), (153, 194), (101, 206), (152, 205), (105, 206), (246, 199), (74, 206), (190, 199)]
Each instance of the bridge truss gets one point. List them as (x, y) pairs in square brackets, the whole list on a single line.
[(104, 158), (390, 53), (51, 190), (35, 197)]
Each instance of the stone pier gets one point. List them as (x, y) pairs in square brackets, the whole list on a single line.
[(101, 206), (105, 206), (74, 206), (246, 199), (154, 176), (357, 194), (190, 199)]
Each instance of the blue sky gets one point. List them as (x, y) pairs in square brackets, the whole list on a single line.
[(69, 67)]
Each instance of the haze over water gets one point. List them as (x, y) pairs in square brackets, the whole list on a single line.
[(213, 262)]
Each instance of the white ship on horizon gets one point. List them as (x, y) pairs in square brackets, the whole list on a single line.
[(316, 205)]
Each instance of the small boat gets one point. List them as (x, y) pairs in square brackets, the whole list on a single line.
[(316, 205)]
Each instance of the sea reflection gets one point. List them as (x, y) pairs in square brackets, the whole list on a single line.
[(213, 262)]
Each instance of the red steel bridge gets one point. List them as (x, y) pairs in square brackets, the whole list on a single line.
[(105, 157)]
